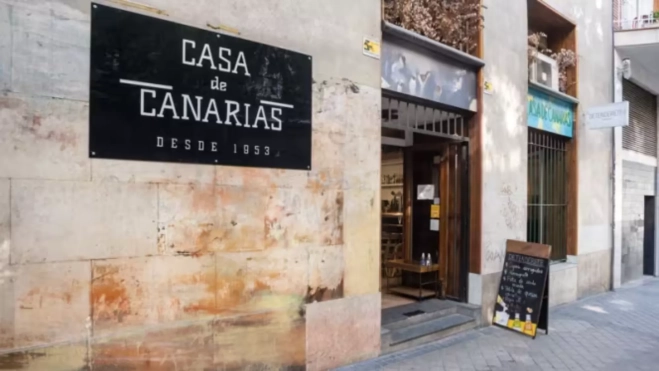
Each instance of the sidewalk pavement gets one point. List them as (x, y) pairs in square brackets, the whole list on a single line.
[(616, 331)]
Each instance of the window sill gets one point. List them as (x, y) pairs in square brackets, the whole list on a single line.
[(554, 93)]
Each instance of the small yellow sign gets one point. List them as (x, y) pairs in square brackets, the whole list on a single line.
[(371, 48), (488, 88), (434, 211)]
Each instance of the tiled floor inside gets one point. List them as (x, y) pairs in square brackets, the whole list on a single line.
[(391, 300)]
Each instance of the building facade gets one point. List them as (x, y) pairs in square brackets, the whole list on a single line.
[(636, 48), (418, 148), (510, 171), (156, 265)]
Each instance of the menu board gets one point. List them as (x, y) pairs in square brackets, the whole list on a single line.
[(523, 292)]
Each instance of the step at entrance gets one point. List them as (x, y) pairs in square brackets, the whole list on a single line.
[(418, 323), (428, 327)]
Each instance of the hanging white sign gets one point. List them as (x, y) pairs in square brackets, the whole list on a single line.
[(609, 116)]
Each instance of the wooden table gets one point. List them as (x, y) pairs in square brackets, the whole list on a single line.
[(415, 267)]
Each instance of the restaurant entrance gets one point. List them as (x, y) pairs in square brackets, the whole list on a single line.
[(425, 203)]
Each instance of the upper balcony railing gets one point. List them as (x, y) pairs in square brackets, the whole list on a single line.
[(633, 23), (635, 14)]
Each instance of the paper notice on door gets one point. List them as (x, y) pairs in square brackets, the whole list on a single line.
[(434, 211), (425, 192), (434, 224)]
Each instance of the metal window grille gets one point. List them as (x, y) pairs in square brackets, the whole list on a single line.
[(641, 134), (547, 192), (401, 115)]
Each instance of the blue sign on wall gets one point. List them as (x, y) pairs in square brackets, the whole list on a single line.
[(549, 113)]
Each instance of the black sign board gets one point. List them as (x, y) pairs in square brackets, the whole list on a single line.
[(522, 299), (162, 91)]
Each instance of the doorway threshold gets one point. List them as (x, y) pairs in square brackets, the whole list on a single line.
[(425, 321)]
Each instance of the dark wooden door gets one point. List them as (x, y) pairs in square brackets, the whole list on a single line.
[(446, 167), (454, 235), (648, 237)]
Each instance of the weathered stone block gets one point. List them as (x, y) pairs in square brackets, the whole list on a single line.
[(54, 358), (7, 306), (6, 282), (50, 55), (201, 219), (363, 116), (5, 220), (327, 161), (329, 322), (181, 345), (362, 242), (42, 138), (54, 220), (343, 107), (128, 293), (50, 303), (270, 340), (151, 172), (5, 47), (294, 218), (326, 273), (64, 9), (246, 177), (362, 162), (269, 280)]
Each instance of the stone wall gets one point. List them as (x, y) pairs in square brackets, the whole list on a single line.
[(132, 265), (504, 134), (595, 53), (638, 182)]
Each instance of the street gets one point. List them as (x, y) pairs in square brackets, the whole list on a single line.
[(613, 331)]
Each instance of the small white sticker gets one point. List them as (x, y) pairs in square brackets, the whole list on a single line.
[(434, 224)]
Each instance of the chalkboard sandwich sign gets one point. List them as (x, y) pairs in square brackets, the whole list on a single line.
[(523, 296), (167, 92)]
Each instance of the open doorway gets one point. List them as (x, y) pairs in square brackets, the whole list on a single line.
[(393, 223), (424, 204)]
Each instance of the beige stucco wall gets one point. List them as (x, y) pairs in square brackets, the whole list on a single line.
[(505, 148), (126, 264)]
